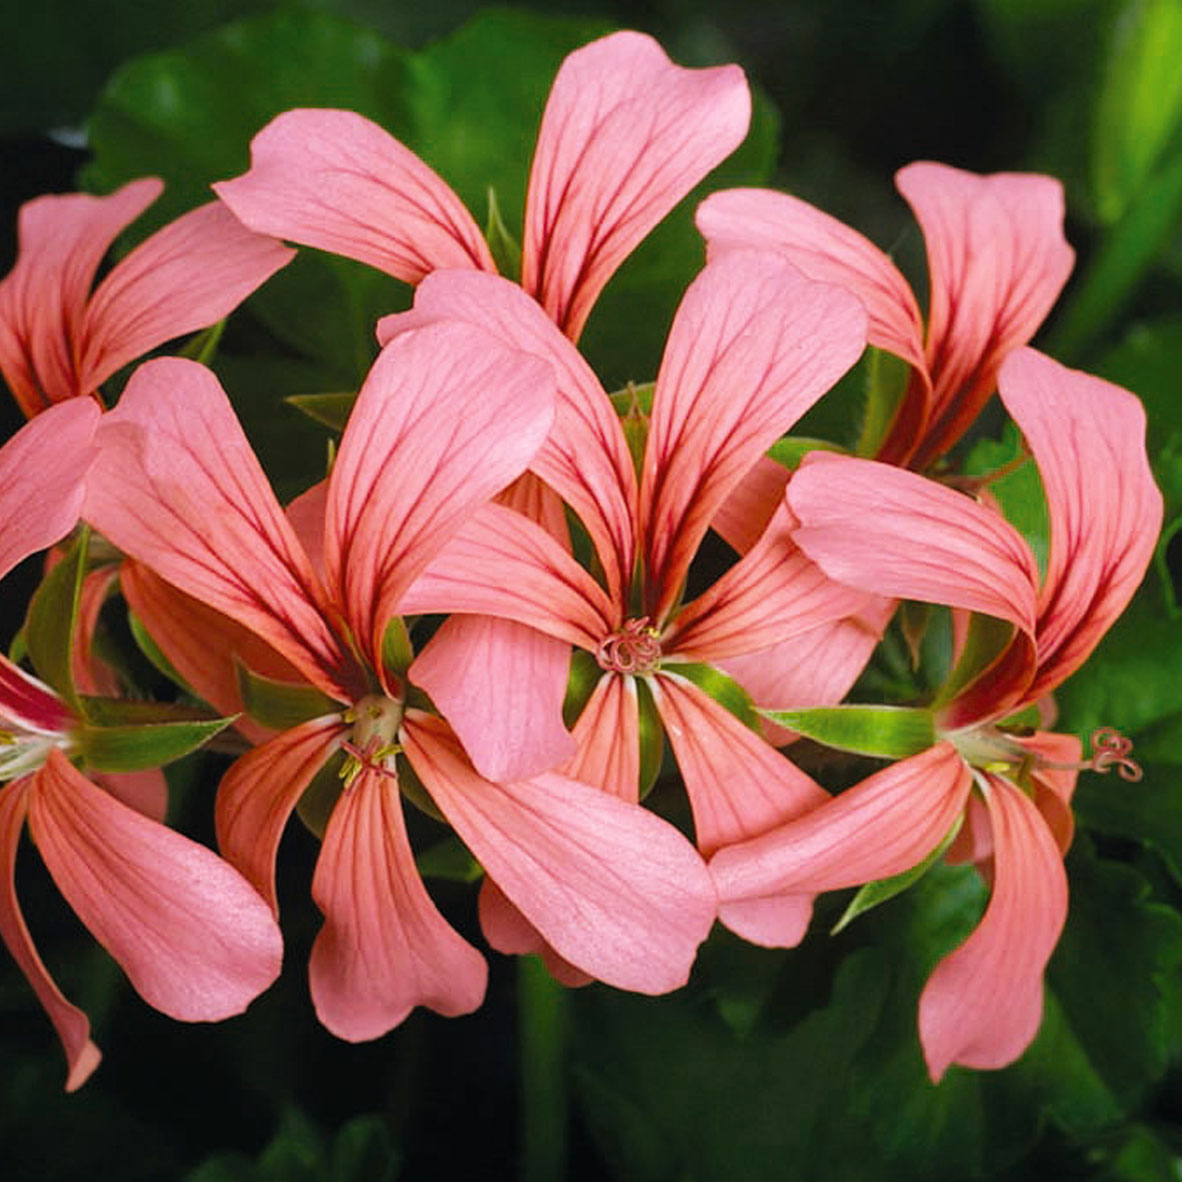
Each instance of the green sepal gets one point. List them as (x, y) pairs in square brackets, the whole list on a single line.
[(317, 801), (153, 652), (790, 450), (886, 383), (727, 692), (416, 791), (332, 410), (134, 747), (885, 732), (986, 640), (280, 705), (874, 893), (449, 859), (651, 732), (634, 405), (53, 617), (506, 251), (202, 346), (397, 650), (114, 712), (584, 677)]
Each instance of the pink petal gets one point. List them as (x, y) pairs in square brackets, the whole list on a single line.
[(91, 674), (186, 276), (29, 704), (62, 240), (257, 795), (612, 888), (998, 260), (501, 686), (177, 487), (738, 785), (982, 1005), (772, 594), (748, 510), (585, 457), (607, 738), (306, 514), (824, 249), (202, 645), (71, 1023), (777, 921), (195, 939), (384, 947), (42, 472), (336, 181), (892, 532), (1054, 786), (508, 931), (445, 419), (146, 791), (1088, 438), (625, 136), (881, 827), (737, 373)]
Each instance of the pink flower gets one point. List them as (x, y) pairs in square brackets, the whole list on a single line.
[(59, 340), (872, 525), (446, 418), (736, 374), (194, 938), (626, 134), (997, 260)]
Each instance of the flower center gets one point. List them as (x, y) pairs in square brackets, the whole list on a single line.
[(374, 741), (992, 750), (22, 752), (633, 648)]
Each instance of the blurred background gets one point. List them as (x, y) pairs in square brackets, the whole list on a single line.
[(769, 1065)]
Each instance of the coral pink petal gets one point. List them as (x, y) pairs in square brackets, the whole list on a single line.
[(1088, 439), (306, 514), (982, 1005), (823, 248), (446, 418), (616, 891), (997, 260), (738, 785), (508, 931), (205, 647), (256, 797), (745, 514), (71, 1024), (881, 827), (336, 181), (738, 371), (778, 921), (146, 791), (193, 936), (29, 704), (186, 276), (502, 564), (585, 457), (771, 594), (91, 674), (384, 947), (43, 468), (894, 533), (626, 134), (607, 738), (177, 487), (61, 240), (501, 686), (1054, 786)]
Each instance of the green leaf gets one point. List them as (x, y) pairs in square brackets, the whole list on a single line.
[(449, 859), (874, 893), (135, 747), (281, 705), (727, 692), (790, 450), (53, 615), (332, 410), (203, 346), (886, 732), (362, 1152), (1140, 103)]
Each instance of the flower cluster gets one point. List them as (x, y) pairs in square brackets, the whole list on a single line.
[(495, 609)]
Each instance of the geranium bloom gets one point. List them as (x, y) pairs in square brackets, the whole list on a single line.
[(997, 260), (736, 374), (59, 340), (625, 135), (445, 419), (193, 936), (872, 525)]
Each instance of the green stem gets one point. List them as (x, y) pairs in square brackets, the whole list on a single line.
[(542, 1041)]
